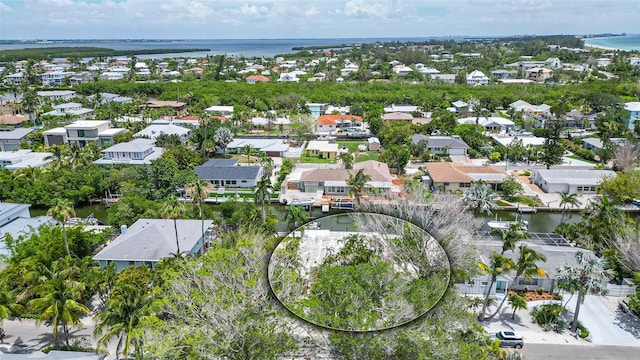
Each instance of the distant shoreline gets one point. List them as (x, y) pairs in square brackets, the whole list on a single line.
[(608, 47)]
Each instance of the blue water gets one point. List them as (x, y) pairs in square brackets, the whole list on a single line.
[(230, 47), (628, 43)]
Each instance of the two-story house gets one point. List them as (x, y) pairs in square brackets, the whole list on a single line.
[(634, 113), (82, 132), (135, 152), (10, 140), (57, 95), (75, 110)]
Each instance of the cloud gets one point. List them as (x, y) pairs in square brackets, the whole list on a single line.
[(365, 8), (312, 11)]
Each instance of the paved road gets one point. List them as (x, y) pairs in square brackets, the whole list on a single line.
[(583, 352), (605, 327)]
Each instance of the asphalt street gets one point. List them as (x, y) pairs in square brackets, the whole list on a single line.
[(590, 352)]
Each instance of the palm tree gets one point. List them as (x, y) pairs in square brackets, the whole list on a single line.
[(267, 163), (516, 232), (587, 277), (58, 155), (60, 300), (8, 305), (128, 304), (294, 217), (527, 267), (499, 265), (199, 192), (567, 199), (358, 183), (62, 212), (347, 160), (516, 302), (248, 151), (262, 193), (480, 197), (173, 209)]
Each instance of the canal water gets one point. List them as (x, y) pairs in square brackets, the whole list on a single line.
[(540, 222)]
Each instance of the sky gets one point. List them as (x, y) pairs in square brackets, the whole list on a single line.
[(263, 19)]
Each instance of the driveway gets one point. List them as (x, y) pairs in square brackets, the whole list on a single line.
[(605, 327)]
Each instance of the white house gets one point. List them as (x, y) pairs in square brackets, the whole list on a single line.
[(55, 95), (570, 181), (10, 140), (135, 152), (82, 132), (272, 147), (452, 145), (492, 123), (477, 78), (154, 130), (72, 109), (23, 159), (55, 78), (16, 221), (288, 77)]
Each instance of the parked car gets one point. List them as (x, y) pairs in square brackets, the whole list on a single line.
[(357, 134), (508, 339)]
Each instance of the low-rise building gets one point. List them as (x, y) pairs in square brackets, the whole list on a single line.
[(178, 108), (10, 139), (447, 176), (451, 145), (322, 149), (154, 130), (227, 173), (271, 147), (148, 241), (477, 78), (570, 181), (373, 144), (135, 152), (536, 110), (16, 221), (82, 132), (23, 159), (492, 123), (634, 113), (57, 95), (73, 110)]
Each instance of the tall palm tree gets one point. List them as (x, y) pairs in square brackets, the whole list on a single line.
[(358, 183), (262, 192), (480, 197), (499, 265), (8, 305), (199, 192), (567, 200), (516, 232), (587, 277), (60, 300), (173, 209), (526, 267), (248, 151), (267, 163), (58, 156), (62, 212), (126, 307)]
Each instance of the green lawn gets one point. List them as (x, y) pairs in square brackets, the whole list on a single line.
[(369, 155), (316, 160), (351, 145), (576, 157)]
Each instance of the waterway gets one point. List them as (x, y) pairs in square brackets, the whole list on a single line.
[(540, 222)]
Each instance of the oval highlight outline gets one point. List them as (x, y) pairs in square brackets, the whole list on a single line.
[(442, 255)]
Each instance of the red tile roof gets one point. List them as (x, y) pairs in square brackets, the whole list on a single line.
[(190, 117), (258, 78), (13, 119), (333, 119)]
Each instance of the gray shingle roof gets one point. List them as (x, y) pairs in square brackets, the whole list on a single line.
[(453, 142), (153, 239), (227, 172), (15, 134)]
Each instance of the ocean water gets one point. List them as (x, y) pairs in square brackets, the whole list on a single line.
[(230, 47), (627, 43)]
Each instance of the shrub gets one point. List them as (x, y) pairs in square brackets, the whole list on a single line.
[(472, 153), (583, 331), (549, 316), (526, 173)]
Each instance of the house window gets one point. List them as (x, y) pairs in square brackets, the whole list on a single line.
[(80, 133), (528, 282), (244, 181), (216, 182), (445, 184), (465, 185), (232, 182), (484, 283)]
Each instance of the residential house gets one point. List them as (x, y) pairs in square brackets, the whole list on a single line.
[(195, 71), (397, 116), (404, 108), (373, 144), (322, 149), (503, 74), (556, 256), (227, 173), (57, 95), (82, 132), (317, 109), (448, 176), (178, 108), (526, 108), (538, 74), (492, 123), (13, 120), (10, 139), (148, 241), (15, 79), (451, 145), (272, 147), (332, 123), (135, 152), (461, 107), (603, 62), (262, 122), (477, 78), (23, 159), (16, 221), (570, 181), (595, 144), (428, 71), (576, 119), (81, 78), (287, 77), (253, 79), (334, 181), (220, 110), (55, 78), (154, 130), (72, 110), (443, 78), (634, 61), (402, 70), (634, 113)]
